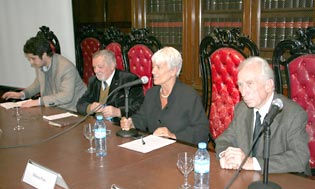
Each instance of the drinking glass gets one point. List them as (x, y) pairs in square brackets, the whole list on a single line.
[(18, 118), (185, 163), (89, 134)]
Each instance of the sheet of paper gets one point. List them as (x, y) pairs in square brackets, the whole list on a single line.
[(59, 116), (9, 105), (151, 143)]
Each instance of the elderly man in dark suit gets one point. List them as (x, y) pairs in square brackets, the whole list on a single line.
[(107, 78), (289, 141)]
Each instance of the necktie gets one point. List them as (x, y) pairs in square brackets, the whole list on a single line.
[(256, 132), (105, 85), (104, 93)]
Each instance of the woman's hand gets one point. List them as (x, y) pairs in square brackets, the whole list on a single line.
[(126, 124), (164, 132)]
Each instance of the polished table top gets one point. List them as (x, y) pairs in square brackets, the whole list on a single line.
[(67, 155)]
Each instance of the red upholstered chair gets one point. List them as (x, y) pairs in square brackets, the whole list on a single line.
[(52, 38), (113, 41), (294, 65), (89, 41), (221, 52), (137, 51)]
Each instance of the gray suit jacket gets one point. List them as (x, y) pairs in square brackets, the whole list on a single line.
[(67, 85), (288, 140)]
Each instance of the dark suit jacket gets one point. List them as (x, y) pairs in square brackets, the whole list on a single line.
[(183, 115), (288, 140), (117, 99)]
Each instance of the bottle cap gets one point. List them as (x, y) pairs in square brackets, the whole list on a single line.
[(99, 117), (202, 145)]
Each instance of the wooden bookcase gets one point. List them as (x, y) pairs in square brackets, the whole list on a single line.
[(183, 23)]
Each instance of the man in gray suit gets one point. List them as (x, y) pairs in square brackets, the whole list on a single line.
[(289, 141)]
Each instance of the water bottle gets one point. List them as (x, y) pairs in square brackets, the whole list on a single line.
[(100, 136), (202, 167)]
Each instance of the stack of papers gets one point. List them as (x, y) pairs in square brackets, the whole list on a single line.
[(9, 105), (62, 119), (151, 143)]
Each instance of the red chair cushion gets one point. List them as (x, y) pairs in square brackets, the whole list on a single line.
[(88, 47), (116, 48), (302, 90), (140, 63), (225, 93)]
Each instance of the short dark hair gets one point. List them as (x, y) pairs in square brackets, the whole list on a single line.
[(38, 45)]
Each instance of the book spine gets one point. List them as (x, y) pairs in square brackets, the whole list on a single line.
[(289, 27), (264, 32), (280, 30), (272, 24)]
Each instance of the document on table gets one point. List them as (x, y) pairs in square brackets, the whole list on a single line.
[(62, 119), (9, 105), (59, 116), (151, 143)]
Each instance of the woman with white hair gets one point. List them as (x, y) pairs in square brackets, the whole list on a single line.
[(170, 109)]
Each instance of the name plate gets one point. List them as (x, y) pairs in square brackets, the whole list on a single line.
[(39, 176)]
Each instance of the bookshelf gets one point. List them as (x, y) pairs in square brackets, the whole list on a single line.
[(164, 20), (280, 19), (221, 14)]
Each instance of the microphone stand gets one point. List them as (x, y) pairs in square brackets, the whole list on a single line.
[(131, 132), (265, 184)]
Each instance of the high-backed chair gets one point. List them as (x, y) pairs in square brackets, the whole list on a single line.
[(294, 65), (137, 51), (52, 38), (88, 42), (113, 41), (220, 53)]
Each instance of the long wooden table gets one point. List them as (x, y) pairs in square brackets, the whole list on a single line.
[(67, 155)]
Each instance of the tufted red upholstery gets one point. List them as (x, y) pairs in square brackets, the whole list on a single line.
[(116, 48), (88, 46), (294, 65), (302, 90), (225, 93), (220, 53), (140, 63)]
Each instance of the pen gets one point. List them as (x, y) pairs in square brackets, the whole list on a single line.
[(143, 143)]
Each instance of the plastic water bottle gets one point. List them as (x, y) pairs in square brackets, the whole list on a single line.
[(202, 167), (100, 136)]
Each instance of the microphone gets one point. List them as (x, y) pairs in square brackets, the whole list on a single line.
[(275, 108), (142, 80)]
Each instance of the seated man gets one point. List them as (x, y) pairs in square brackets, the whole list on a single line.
[(171, 108), (289, 141), (57, 79), (106, 79)]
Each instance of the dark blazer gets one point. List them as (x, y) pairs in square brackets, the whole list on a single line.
[(117, 99), (288, 140), (183, 115)]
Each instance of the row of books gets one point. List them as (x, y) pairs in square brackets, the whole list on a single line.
[(169, 33), (275, 4), (274, 30), (162, 6), (222, 5)]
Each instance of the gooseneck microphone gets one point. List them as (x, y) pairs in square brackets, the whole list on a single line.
[(142, 80), (130, 132), (275, 108)]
